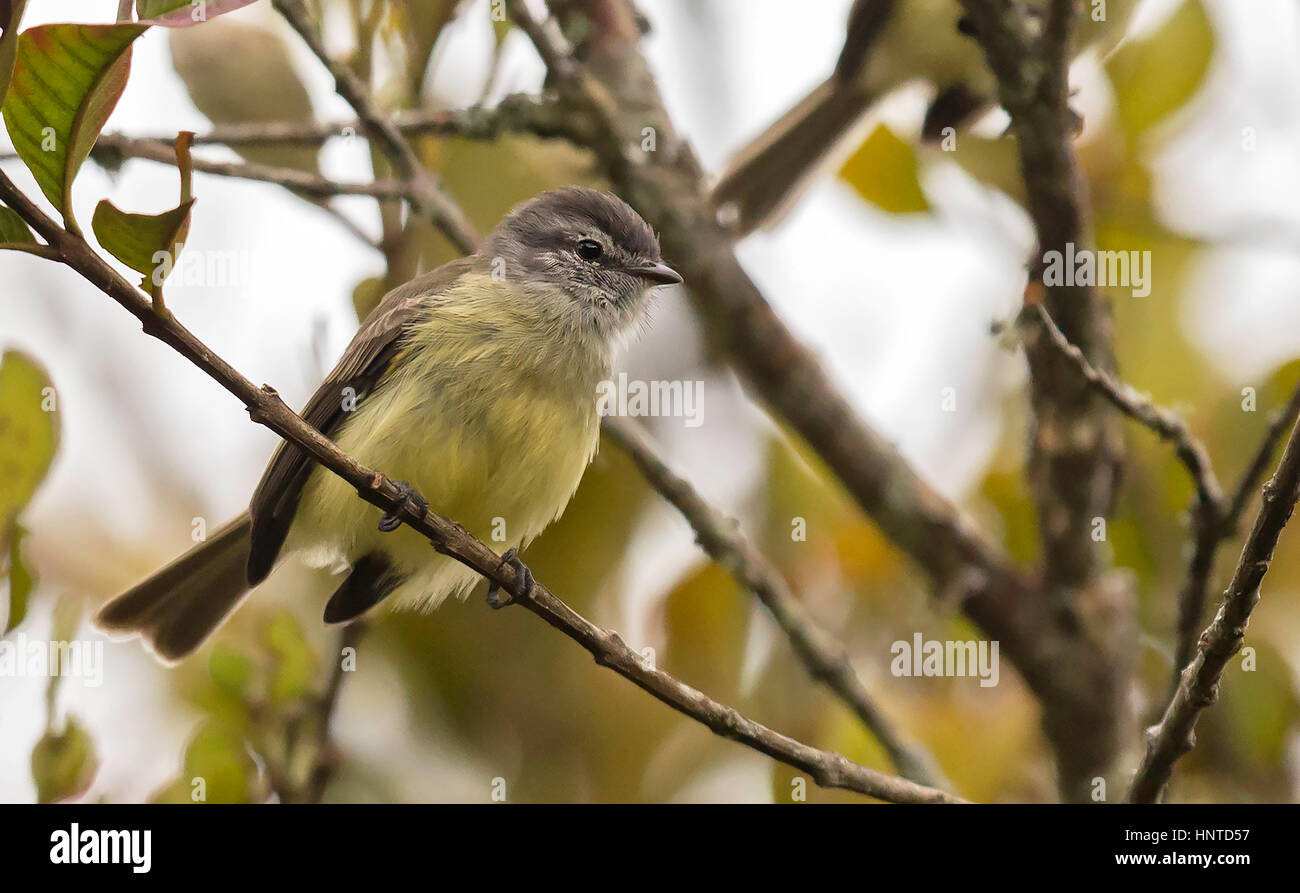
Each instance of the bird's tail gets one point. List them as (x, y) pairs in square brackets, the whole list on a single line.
[(768, 172), (177, 608)]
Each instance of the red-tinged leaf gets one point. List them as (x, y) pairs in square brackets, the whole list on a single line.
[(184, 13), (66, 81)]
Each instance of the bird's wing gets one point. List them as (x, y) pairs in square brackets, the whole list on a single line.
[(866, 20), (363, 364)]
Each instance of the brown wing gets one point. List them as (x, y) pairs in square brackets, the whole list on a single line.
[(867, 19), (363, 364)]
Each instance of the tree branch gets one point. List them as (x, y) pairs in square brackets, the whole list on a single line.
[(1075, 446), (429, 197), (522, 113), (266, 408), (300, 182), (324, 756), (826, 660), (1210, 534), (1166, 424), (1061, 647), (1175, 734)]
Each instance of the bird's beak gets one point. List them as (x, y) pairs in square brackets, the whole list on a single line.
[(659, 274)]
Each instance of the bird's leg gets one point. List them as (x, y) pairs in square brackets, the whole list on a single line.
[(523, 583), (412, 502)]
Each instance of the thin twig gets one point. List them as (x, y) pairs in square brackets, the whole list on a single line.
[(1210, 508), (827, 660), (430, 199), (524, 113), (266, 408), (1278, 424), (1211, 529), (301, 182), (1175, 734), (325, 758), (1166, 424)]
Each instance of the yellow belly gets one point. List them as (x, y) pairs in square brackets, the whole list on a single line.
[(494, 431)]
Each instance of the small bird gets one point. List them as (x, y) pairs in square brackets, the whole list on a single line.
[(888, 43), (474, 386)]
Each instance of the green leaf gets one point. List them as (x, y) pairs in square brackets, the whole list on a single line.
[(220, 759), (293, 660), (63, 765), (21, 581), (1158, 74), (11, 13), (144, 242), (66, 81), (13, 229), (884, 171), (150, 244), (29, 434), (184, 13), (232, 671)]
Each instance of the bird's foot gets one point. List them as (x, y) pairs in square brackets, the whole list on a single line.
[(523, 583), (412, 503)]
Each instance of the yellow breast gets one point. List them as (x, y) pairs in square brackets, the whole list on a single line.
[(489, 413)]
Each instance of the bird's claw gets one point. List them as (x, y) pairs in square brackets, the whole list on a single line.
[(412, 503), (523, 583)]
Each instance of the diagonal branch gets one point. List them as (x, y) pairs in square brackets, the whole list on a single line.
[(429, 197), (1073, 648), (826, 659), (1212, 531), (266, 408), (1166, 424), (1175, 734)]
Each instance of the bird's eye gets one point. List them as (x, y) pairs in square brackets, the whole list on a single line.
[(589, 249)]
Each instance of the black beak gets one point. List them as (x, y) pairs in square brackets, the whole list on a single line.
[(659, 274)]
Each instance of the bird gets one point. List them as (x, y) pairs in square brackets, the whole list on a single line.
[(473, 386), (887, 44)]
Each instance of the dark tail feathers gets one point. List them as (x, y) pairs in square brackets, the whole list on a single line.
[(177, 608), (766, 174)]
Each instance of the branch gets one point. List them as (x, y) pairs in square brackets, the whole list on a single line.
[(1280, 422), (1175, 734), (1075, 446), (324, 756), (826, 659), (429, 197), (1211, 531), (1071, 652), (266, 408), (300, 182), (1208, 517), (1166, 424), (521, 113)]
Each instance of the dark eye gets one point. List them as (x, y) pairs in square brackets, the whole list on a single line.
[(589, 249)]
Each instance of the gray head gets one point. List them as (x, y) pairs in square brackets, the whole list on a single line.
[(589, 245)]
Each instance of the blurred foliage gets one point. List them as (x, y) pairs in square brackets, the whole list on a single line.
[(29, 437), (883, 170)]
